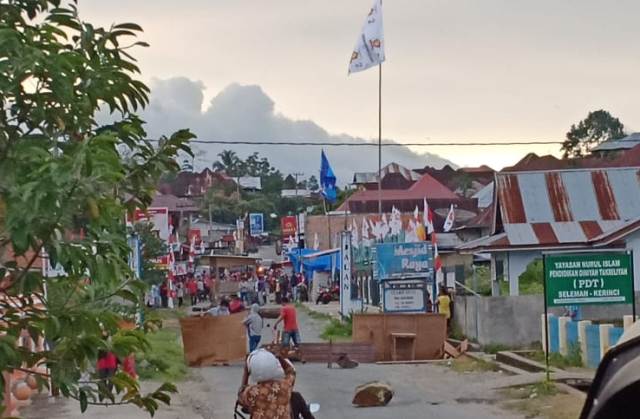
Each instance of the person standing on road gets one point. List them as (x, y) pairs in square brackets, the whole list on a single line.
[(180, 293), (254, 325), (193, 291), (200, 288), (289, 317), (444, 306), (244, 291)]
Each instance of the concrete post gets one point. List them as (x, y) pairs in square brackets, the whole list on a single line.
[(563, 343), (582, 339), (495, 285), (604, 338), (627, 321)]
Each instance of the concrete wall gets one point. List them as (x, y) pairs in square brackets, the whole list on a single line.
[(510, 320), (515, 320)]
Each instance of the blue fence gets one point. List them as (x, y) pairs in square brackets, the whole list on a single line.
[(554, 338), (593, 345), (572, 334), (614, 335)]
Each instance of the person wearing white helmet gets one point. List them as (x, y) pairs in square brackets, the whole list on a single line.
[(272, 395)]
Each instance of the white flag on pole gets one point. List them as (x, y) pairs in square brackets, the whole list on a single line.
[(369, 49), (448, 223)]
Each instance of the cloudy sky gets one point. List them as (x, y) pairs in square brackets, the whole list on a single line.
[(456, 70)]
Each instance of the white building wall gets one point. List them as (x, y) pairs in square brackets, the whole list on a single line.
[(633, 244)]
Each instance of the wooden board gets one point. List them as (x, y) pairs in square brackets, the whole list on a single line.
[(213, 340), (319, 352), (430, 331)]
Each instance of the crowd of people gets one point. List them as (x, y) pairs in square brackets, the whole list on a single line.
[(271, 286)]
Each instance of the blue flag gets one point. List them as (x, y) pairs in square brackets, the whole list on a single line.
[(327, 180)]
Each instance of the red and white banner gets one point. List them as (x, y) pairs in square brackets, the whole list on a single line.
[(159, 217), (289, 226)]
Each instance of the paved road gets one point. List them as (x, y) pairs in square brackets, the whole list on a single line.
[(422, 391)]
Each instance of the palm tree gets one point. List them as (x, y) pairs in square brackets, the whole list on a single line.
[(228, 161)]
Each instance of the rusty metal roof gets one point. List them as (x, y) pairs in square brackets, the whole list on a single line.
[(563, 207)]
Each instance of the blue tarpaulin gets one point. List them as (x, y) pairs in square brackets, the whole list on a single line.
[(313, 260)]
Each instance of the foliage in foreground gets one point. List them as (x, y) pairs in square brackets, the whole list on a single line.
[(65, 187)]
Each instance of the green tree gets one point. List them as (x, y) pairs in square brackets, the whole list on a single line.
[(313, 184), (273, 183), (59, 171), (230, 163), (289, 182), (597, 127)]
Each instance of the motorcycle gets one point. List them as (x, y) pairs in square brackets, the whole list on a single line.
[(299, 406), (326, 295)]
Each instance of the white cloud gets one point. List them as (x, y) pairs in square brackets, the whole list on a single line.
[(246, 112)]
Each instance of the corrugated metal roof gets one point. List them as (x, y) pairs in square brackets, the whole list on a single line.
[(484, 196), (250, 182), (425, 187), (566, 206), (625, 143), (372, 177)]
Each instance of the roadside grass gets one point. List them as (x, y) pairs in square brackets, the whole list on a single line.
[(334, 329), (164, 360), (337, 330), (494, 348), (572, 360), (542, 400), (465, 365)]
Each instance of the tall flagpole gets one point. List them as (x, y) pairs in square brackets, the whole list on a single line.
[(380, 139)]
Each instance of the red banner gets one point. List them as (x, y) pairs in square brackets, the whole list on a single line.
[(288, 225), (194, 232)]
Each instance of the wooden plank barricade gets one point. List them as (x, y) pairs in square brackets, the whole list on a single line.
[(213, 340), (430, 334)]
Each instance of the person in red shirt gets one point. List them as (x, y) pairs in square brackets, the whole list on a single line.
[(193, 291), (289, 317), (236, 305), (107, 365)]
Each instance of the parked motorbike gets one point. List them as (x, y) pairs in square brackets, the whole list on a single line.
[(326, 295)]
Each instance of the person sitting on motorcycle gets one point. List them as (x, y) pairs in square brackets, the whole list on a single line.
[(272, 398)]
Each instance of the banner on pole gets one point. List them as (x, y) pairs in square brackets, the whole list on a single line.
[(588, 278), (402, 261), (349, 301), (256, 224)]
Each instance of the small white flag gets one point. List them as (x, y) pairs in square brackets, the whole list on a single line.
[(365, 229), (369, 50), (448, 223)]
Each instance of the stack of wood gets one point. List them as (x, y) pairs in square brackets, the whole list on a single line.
[(451, 351)]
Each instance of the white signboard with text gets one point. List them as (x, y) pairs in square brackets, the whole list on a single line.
[(404, 296)]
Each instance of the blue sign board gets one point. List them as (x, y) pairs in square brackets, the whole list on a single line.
[(256, 224), (402, 260)]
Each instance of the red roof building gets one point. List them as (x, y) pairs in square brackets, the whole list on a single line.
[(570, 209)]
